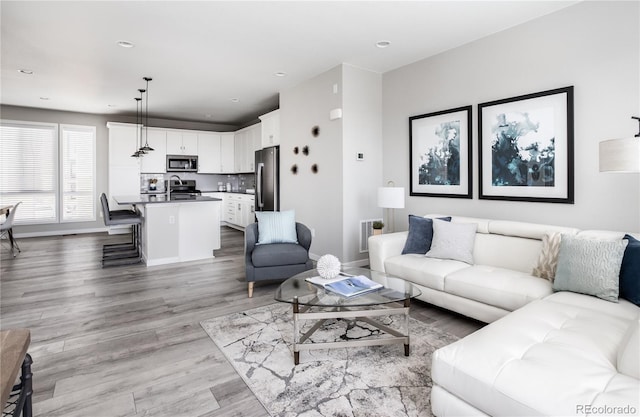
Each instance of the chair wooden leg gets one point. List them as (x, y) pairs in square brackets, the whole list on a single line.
[(250, 289)]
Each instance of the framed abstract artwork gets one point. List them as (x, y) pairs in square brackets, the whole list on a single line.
[(525, 150), (440, 153)]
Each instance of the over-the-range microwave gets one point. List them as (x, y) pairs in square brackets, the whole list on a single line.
[(184, 163)]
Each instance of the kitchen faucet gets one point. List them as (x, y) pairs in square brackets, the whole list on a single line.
[(169, 185)]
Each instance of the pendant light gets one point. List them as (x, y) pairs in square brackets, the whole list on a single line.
[(137, 153), (142, 151), (146, 148)]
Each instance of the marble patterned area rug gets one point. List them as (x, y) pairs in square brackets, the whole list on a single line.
[(366, 381)]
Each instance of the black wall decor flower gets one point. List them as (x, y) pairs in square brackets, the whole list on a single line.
[(305, 151)]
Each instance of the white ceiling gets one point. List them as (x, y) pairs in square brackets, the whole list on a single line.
[(202, 54)]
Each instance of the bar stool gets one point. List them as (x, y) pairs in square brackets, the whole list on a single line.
[(121, 253)]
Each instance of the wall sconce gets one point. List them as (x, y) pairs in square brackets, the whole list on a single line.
[(621, 155), (391, 198)]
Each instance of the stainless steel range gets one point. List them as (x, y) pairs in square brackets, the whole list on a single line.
[(182, 189)]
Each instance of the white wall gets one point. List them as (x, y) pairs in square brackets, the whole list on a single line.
[(362, 132), (316, 198), (593, 46), (333, 201)]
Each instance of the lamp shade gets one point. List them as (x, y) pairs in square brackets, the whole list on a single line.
[(391, 197), (620, 155)]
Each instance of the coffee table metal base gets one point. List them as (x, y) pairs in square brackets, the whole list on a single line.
[(364, 315)]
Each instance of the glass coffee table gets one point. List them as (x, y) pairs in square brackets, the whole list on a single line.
[(312, 302)]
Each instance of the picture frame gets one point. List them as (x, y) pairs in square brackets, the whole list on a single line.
[(525, 150), (440, 152)]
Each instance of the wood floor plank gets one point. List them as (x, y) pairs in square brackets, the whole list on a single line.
[(127, 341)]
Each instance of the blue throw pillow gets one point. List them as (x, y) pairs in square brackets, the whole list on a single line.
[(420, 234), (276, 227), (630, 271)]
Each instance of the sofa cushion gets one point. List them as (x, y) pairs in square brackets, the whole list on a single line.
[(420, 234), (547, 358), (499, 287), (590, 266), (276, 227), (453, 241), (630, 271), (277, 254), (428, 272), (629, 352)]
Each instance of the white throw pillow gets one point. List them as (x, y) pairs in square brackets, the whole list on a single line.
[(276, 227), (590, 266), (453, 241), (628, 358)]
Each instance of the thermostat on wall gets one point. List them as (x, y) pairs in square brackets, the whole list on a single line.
[(360, 156)]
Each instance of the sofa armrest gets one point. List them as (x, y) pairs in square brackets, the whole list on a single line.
[(382, 247), (304, 236)]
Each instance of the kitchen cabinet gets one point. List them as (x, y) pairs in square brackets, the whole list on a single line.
[(209, 153), (247, 141), (155, 162), (270, 128), (182, 142), (227, 156), (239, 209)]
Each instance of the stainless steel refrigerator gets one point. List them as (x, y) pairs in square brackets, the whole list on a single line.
[(268, 179)]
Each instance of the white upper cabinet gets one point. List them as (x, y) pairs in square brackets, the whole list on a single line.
[(155, 162), (209, 153), (123, 142), (248, 140), (227, 155), (270, 128), (182, 142)]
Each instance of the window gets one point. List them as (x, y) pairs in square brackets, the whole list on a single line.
[(28, 170), (50, 169), (77, 158)]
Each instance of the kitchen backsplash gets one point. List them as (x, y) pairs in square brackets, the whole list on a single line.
[(204, 182)]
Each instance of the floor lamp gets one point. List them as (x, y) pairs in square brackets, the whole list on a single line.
[(391, 198)]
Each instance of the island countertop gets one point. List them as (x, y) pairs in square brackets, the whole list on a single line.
[(142, 199)]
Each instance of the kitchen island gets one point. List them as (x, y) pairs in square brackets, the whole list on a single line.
[(176, 229)]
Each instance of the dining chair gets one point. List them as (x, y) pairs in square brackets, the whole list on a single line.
[(6, 230)]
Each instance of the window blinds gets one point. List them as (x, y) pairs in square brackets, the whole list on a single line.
[(46, 181), (78, 172), (28, 170)]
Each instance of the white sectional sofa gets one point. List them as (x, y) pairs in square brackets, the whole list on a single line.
[(500, 281), (543, 353)]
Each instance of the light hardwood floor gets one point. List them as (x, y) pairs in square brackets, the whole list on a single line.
[(127, 341)]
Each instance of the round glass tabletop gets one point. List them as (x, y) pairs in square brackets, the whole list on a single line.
[(395, 290)]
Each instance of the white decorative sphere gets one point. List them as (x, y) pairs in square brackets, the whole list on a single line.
[(328, 266)]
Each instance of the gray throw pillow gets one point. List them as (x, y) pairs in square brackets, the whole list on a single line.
[(453, 241), (420, 234), (589, 266)]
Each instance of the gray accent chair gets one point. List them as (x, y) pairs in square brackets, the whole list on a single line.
[(275, 261)]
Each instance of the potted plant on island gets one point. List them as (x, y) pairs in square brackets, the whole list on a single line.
[(377, 227)]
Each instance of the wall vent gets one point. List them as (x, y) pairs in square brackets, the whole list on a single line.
[(366, 230)]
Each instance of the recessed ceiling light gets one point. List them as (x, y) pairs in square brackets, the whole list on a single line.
[(280, 74), (208, 116), (44, 98), (111, 105), (383, 44), (235, 100), (125, 44), (25, 71)]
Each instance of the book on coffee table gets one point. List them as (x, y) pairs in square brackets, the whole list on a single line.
[(347, 286)]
